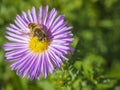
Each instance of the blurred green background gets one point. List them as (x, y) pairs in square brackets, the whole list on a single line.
[(95, 63)]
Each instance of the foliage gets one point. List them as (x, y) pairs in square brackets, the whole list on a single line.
[(95, 62)]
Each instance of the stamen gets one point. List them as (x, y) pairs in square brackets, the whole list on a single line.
[(38, 46)]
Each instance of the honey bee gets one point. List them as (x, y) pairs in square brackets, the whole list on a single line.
[(37, 30)]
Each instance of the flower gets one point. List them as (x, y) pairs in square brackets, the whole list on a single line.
[(38, 43)]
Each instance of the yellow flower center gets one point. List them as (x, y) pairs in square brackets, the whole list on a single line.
[(38, 46)]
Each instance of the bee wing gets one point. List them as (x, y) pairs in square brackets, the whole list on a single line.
[(24, 32)]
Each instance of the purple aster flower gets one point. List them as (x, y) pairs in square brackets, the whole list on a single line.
[(38, 43)]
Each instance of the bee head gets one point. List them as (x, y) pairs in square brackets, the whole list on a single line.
[(32, 26)]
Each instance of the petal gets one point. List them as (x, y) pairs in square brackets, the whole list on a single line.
[(60, 30), (25, 67), (55, 59), (59, 50), (45, 11), (30, 16), (64, 57), (38, 72), (24, 16), (17, 36), (33, 68), (8, 44), (62, 35), (15, 53), (19, 63), (9, 48), (21, 22), (16, 40), (14, 27), (45, 66), (60, 42), (56, 51), (42, 63), (33, 13), (61, 47), (13, 30), (49, 62), (40, 18), (19, 25), (51, 17), (59, 20)]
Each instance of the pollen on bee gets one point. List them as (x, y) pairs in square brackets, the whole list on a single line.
[(38, 46)]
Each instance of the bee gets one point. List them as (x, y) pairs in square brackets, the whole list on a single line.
[(37, 31)]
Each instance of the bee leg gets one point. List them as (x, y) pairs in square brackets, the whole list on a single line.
[(40, 38)]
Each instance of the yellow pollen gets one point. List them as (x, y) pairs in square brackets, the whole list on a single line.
[(38, 46)]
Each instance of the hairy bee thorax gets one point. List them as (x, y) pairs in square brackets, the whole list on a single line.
[(37, 31)]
